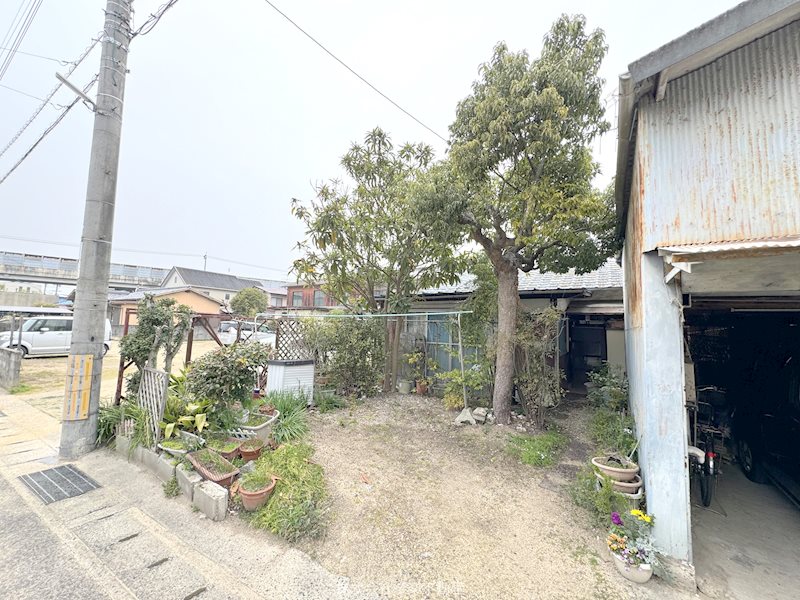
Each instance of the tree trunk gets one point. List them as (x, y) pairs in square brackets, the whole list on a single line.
[(507, 301)]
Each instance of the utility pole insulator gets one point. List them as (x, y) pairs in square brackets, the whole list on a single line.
[(85, 366)]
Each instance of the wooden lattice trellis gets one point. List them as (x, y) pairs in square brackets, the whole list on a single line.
[(290, 342), (152, 397)]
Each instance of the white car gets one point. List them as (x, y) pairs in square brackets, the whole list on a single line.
[(249, 332), (46, 336)]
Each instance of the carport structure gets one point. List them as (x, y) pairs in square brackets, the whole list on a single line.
[(708, 201)]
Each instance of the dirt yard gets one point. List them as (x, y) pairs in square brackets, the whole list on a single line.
[(423, 508), (42, 379)]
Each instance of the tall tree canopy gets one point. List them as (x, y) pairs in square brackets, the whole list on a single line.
[(249, 302), (518, 178), (362, 241)]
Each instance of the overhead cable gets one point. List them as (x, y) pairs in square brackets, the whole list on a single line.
[(47, 131), (16, 33), (346, 66), (47, 99)]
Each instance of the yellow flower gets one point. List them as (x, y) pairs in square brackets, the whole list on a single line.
[(647, 518), (636, 513)]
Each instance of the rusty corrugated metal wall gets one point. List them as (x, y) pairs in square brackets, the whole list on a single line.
[(719, 156)]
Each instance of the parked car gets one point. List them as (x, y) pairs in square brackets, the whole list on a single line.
[(46, 336), (767, 428), (249, 332)]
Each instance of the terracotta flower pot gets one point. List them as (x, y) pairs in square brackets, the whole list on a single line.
[(255, 500), (251, 453), (230, 454), (627, 471), (422, 388), (639, 574)]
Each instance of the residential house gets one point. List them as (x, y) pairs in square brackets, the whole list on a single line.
[(121, 306), (307, 297), (708, 200), (221, 286), (592, 329)]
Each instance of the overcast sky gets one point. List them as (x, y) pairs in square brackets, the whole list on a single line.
[(230, 112)]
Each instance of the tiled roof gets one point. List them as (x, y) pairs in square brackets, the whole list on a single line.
[(607, 276), (215, 281), (139, 295)]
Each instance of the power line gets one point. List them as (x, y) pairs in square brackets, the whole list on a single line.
[(21, 27), (137, 251), (47, 99), (154, 18), (8, 87), (346, 66), (58, 60), (47, 131)]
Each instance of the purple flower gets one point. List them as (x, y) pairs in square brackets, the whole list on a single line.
[(615, 519)]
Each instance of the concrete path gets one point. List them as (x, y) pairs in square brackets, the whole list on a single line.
[(126, 539)]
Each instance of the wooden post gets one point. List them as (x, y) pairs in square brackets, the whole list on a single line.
[(189, 343)]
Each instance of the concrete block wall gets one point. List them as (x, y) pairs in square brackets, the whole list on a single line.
[(10, 364)]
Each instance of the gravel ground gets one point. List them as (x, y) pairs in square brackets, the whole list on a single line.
[(423, 508)]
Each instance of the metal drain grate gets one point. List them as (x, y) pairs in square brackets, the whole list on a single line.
[(59, 483)]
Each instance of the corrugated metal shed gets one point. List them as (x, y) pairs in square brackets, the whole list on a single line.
[(607, 276), (720, 155)]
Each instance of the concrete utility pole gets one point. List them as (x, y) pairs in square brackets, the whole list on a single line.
[(85, 366)]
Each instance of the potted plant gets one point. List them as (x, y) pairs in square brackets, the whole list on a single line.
[(213, 467), (616, 467), (255, 489), (227, 447), (630, 544), (260, 423), (251, 449), (176, 446), (420, 369)]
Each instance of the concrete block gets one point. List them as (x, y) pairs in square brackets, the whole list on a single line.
[(122, 445), (187, 480), (164, 467), (212, 500), (248, 467), (148, 458)]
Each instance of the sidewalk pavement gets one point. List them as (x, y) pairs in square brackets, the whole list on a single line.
[(126, 539)]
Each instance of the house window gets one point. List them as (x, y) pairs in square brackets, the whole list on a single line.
[(319, 298), (227, 296), (297, 298), (442, 344), (175, 280)]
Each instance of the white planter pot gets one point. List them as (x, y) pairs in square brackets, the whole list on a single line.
[(639, 574), (262, 431)]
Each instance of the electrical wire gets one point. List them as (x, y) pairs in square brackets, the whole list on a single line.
[(47, 99), (8, 87), (154, 18), (21, 31), (346, 66), (58, 60), (137, 251), (47, 131)]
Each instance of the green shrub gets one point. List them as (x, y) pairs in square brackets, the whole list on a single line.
[(325, 402), (349, 351), (600, 500), (609, 388), (540, 450), (298, 506), (476, 378), (228, 374), (109, 417), (612, 431)]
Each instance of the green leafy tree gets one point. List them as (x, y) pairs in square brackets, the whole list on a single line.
[(249, 302), (162, 324), (362, 241), (518, 179)]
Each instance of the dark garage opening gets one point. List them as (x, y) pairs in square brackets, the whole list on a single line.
[(745, 359)]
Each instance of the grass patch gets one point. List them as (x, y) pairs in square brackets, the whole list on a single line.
[(326, 402), (298, 507), (21, 388), (171, 488), (612, 430), (292, 423), (213, 461), (537, 450), (221, 444)]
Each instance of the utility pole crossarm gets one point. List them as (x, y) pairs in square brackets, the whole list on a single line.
[(85, 367)]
